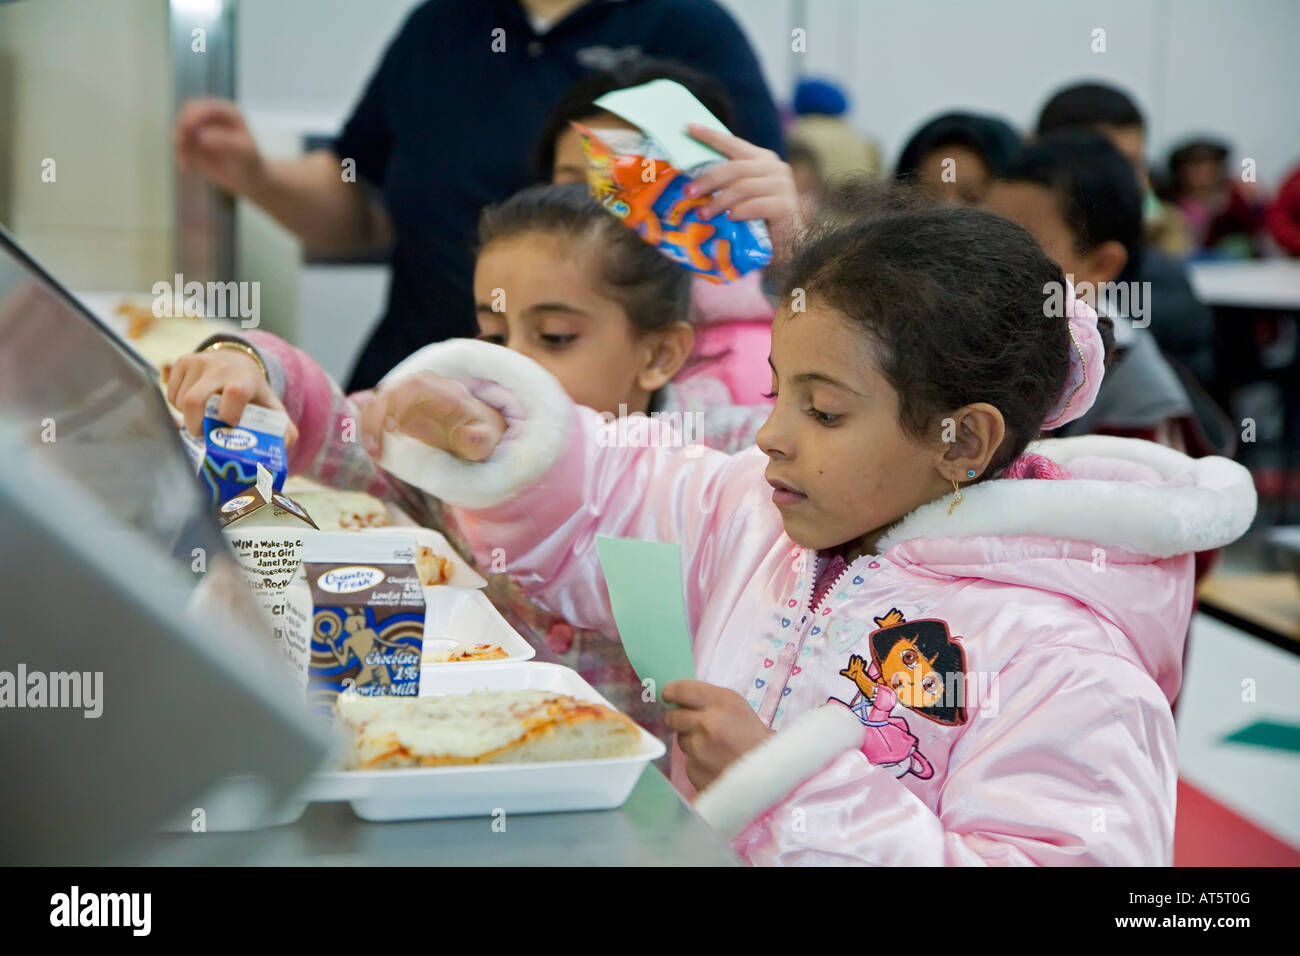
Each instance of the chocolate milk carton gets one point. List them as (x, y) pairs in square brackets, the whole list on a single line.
[(367, 632)]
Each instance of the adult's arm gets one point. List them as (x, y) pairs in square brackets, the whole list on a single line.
[(309, 195)]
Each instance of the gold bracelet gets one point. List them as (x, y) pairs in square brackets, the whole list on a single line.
[(242, 347)]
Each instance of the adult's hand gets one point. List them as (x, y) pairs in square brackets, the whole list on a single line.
[(213, 139)]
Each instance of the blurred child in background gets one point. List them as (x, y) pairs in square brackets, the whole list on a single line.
[(1182, 324), (957, 154), (1078, 196), (1112, 112), (819, 123), (1224, 213)]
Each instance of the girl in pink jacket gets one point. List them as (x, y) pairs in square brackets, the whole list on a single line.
[(919, 638)]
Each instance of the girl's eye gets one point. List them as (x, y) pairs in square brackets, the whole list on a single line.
[(559, 339), (909, 658), (771, 394), (492, 339), (931, 684), (825, 418)]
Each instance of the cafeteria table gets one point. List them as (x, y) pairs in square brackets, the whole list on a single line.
[(1264, 605), (1255, 284)]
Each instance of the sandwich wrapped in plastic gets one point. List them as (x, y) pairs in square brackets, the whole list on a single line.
[(628, 174)]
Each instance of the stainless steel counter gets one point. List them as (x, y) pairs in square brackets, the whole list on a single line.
[(653, 828)]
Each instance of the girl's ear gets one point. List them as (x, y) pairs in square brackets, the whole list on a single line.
[(971, 437), (666, 351)]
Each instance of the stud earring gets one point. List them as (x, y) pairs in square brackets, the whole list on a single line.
[(970, 473), (956, 496)]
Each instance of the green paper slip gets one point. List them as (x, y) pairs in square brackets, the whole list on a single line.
[(661, 109), (645, 592)]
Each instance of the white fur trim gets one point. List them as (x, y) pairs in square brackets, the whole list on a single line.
[(1159, 521), (530, 447), (760, 778)]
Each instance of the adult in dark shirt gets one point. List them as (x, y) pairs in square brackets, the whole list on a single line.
[(443, 128)]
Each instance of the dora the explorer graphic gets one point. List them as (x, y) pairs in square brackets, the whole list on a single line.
[(911, 664)]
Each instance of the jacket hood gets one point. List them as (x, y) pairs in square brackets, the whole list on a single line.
[(1128, 504)]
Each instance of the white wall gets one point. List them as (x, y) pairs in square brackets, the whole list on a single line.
[(1229, 67), (85, 85)]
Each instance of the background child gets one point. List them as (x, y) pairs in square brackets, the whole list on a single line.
[(1186, 328), (956, 155), (1023, 633), (1077, 195), (733, 321), (1225, 215)]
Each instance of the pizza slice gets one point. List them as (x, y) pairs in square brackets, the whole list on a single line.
[(507, 726)]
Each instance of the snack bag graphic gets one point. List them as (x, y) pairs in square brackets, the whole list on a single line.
[(627, 174)]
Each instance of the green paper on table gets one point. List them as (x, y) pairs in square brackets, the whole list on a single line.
[(645, 592), (661, 109)]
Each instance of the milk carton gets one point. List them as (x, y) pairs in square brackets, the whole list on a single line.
[(267, 532), (367, 632), (227, 456)]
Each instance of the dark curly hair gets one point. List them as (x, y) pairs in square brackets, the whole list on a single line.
[(954, 301), (654, 291)]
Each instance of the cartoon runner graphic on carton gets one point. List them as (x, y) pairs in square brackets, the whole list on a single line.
[(911, 665)]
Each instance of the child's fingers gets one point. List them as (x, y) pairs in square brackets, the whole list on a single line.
[(725, 174), (235, 396), (194, 400), (690, 693), (373, 410), (176, 378), (681, 721), (444, 414), (771, 191), (729, 145)]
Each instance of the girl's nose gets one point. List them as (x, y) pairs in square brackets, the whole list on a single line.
[(771, 438)]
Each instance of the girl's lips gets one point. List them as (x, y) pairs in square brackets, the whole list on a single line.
[(783, 494)]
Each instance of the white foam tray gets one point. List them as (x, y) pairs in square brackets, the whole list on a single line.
[(486, 790), (462, 575), (464, 615)]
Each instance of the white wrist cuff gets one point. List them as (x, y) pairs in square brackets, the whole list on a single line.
[(538, 416)]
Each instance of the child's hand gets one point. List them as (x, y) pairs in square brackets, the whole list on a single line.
[(714, 726), (755, 184), (193, 378), (438, 411)]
